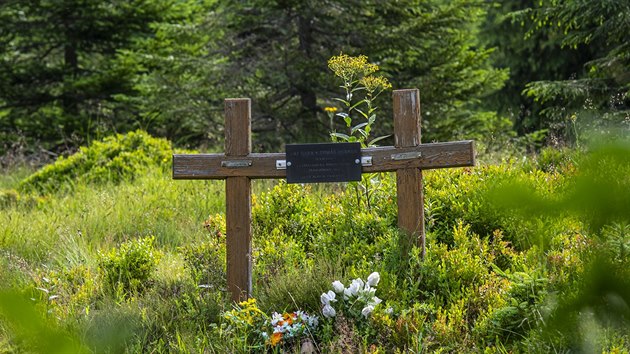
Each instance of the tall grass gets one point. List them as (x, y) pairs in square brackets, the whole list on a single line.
[(10, 177), (73, 226)]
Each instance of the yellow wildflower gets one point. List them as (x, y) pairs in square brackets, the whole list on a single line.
[(330, 109), (350, 68), (246, 313), (374, 83), (247, 303)]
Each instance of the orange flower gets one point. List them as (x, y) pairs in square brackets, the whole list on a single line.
[(276, 338), (288, 318)]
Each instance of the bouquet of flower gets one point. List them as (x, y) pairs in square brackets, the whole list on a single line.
[(284, 328), (358, 300)]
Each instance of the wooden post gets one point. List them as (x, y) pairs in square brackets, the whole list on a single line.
[(409, 180), (238, 216)]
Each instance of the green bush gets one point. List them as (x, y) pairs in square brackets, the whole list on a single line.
[(521, 311), (453, 196), (617, 243), (68, 293), (288, 209), (116, 158), (447, 273), (466, 195), (285, 223), (556, 160), (10, 198), (131, 266), (275, 254), (458, 285)]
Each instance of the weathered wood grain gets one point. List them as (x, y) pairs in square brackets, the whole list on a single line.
[(238, 199), (409, 194), (263, 165), (410, 202), (238, 137), (406, 118), (239, 237)]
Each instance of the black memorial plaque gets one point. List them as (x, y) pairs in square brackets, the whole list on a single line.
[(329, 162)]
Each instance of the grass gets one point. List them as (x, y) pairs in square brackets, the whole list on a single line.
[(481, 287), (11, 176), (67, 226)]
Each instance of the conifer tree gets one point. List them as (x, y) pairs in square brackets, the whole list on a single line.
[(59, 73), (598, 97), (276, 53)]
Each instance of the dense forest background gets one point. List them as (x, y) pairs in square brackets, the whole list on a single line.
[(511, 74)]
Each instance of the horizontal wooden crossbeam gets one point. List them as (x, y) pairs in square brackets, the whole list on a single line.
[(384, 159)]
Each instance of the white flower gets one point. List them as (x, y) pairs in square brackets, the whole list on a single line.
[(359, 283), (328, 311), (375, 301), (338, 286), (353, 289), (373, 279), (389, 311), (368, 292), (275, 318), (367, 310), (325, 299), (328, 297)]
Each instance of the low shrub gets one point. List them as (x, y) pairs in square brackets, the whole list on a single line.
[(552, 160), (68, 293), (288, 209), (275, 254), (131, 266), (114, 159), (521, 311), (10, 198), (471, 196)]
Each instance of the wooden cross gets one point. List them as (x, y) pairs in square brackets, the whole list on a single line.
[(238, 165)]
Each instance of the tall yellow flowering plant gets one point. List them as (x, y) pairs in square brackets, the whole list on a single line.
[(358, 111), (361, 87)]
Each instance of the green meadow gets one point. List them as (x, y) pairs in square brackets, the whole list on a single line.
[(522, 256)]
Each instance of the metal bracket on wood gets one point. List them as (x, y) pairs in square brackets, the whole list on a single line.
[(407, 155), (236, 163), (282, 164)]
